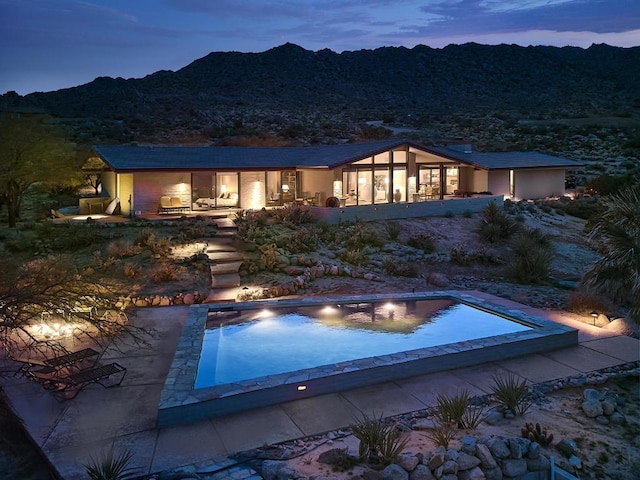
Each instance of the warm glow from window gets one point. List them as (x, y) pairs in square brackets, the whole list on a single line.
[(337, 188), (223, 189)]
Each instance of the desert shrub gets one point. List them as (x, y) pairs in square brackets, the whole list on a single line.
[(354, 256), (422, 241), (398, 268), (131, 270), (122, 248), (300, 241), (250, 224), (393, 230), (359, 235), (511, 393), (583, 302), (192, 232), (161, 247), (532, 256), (473, 417), (294, 214), (269, 256), (145, 237), (460, 256), (66, 236), (102, 263), (495, 224), (380, 441), (165, 272), (581, 207)]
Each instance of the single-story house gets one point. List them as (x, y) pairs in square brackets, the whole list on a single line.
[(372, 173)]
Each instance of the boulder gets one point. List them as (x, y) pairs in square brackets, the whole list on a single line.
[(467, 462), (269, 469), (591, 394), (468, 445), (514, 467), (332, 456), (539, 464), (519, 447), (567, 447), (370, 474), (608, 406), (436, 459), (473, 474), (592, 408), (421, 472), (408, 461), (486, 459), (395, 472), (493, 473), (498, 448), (450, 466)]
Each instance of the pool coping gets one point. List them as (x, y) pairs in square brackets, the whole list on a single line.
[(181, 403)]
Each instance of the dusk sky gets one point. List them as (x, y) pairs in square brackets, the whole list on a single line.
[(46, 45)]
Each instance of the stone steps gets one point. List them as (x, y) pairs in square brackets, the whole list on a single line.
[(225, 268)]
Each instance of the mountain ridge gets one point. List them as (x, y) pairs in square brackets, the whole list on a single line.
[(289, 82)]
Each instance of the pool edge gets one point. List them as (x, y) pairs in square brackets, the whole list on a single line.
[(180, 403)]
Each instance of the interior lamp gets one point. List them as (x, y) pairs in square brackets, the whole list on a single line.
[(223, 188), (285, 188)]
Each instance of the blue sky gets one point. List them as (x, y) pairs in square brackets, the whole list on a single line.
[(46, 45)]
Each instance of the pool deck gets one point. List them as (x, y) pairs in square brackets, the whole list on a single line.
[(70, 432)]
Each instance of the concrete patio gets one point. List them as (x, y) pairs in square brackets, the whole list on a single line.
[(97, 418)]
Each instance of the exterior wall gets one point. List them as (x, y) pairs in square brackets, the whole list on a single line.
[(125, 192), (479, 181), (531, 184), (109, 188), (392, 211), (498, 183), (149, 187), (317, 181), (253, 193)]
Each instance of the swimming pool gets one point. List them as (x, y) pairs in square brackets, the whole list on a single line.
[(212, 377), (258, 343)]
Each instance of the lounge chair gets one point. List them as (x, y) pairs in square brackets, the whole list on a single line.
[(52, 365), (67, 387)]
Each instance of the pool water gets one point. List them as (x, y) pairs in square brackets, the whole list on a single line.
[(259, 343)]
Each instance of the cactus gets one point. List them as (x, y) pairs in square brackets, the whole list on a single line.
[(537, 434)]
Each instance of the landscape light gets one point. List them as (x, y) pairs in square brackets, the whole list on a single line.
[(594, 314)]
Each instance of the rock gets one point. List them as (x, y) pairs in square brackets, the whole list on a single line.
[(492, 418), (424, 424), (269, 469), (617, 418), (188, 299), (592, 408), (332, 456), (421, 472), (534, 451), (452, 454), (449, 476), (486, 459), (513, 467), (498, 448), (468, 445), (575, 462), (541, 463), (602, 420), (567, 447), (608, 406), (493, 473), (286, 473), (450, 466), (519, 447), (395, 472), (408, 461), (473, 474), (188, 472), (370, 474), (436, 459), (438, 279), (591, 394), (467, 462)]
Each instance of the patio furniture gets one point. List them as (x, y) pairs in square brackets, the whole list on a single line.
[(67, 387), (171, 204), (52, 365)]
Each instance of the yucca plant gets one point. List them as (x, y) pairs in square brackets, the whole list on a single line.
[(452, 408), (472, 417), (379, 440), (442, 434), (511, 393), (111, 466)]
